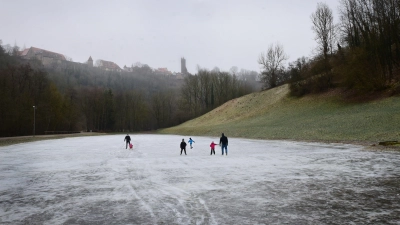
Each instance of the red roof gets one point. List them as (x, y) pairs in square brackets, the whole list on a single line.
[(38, 51), (163, 69), (24, 52)]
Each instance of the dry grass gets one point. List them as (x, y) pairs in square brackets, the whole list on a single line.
[(272, 114)]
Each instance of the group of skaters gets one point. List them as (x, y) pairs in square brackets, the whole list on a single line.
[(223, 142)]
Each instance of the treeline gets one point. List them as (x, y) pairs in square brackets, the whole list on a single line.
[(23, 86), (74, 97), (370, 30), (360, 53), (209, 89)]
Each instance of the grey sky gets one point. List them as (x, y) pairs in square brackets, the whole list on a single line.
[(207, 33)]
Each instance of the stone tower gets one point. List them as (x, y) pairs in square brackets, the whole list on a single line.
[(90, 62), (183, 66)]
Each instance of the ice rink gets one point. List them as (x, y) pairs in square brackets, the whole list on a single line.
[(95, 180)]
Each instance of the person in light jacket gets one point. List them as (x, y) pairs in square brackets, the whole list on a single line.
[(190, 142)]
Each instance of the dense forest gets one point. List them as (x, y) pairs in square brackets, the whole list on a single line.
[(72, 97), (360, 54)]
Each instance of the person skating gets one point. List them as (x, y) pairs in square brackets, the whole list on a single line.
[(223, 141), (183, 146), (191, 142), (212, 145), (127, 140)]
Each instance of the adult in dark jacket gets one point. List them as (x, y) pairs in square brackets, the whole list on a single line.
[(128, 140), (223, 141), (183, 146)]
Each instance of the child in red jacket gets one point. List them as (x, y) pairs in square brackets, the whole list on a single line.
[(212, 145)]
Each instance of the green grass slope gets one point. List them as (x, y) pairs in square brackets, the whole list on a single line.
[(272, 114)]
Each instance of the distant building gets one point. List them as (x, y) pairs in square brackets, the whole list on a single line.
[(183, 66), (90, 62), (179, 76), (163, 71), (108, 65), (47, 57)]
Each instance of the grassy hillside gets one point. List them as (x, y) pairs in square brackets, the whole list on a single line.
[(272, 114)]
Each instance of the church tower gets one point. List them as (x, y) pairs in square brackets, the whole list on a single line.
[(183, 66), (90, 62)]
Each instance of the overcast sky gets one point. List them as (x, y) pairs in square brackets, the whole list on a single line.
[(208, 33)]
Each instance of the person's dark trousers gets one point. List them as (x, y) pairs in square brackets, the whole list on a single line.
[(128, 142), (212, 150), (226, 149), (183, 149)]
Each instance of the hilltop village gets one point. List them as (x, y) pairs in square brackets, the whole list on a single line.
[(49, 59)]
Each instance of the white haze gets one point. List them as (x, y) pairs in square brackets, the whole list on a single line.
[(156, 32)]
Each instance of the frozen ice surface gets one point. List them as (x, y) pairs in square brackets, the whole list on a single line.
[(95, 180)]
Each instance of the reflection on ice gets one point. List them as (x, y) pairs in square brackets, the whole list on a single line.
[(95, 180)]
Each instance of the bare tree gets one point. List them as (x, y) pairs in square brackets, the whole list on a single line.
[(68, 58), (137, 64), (216, 69), (272, 63), (373, 26), (234, 70), (324, 28), (98, 63)]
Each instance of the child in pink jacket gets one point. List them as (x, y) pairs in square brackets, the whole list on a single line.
[(212, 145)]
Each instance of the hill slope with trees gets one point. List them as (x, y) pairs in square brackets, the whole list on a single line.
[(361, 52)]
